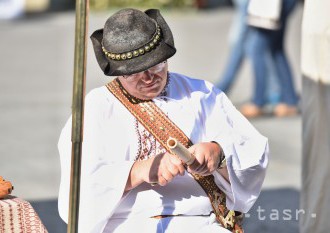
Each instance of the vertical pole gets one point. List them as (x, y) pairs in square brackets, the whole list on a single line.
[(79, 81)]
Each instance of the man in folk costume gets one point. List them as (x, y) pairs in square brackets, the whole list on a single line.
[(130, 178)]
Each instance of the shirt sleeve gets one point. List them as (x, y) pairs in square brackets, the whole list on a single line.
[(103, 179), (246, 152)]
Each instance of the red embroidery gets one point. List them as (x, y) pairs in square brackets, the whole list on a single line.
[(148, 145), (18, 216)]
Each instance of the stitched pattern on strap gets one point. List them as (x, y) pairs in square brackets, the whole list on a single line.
[(158, 124)]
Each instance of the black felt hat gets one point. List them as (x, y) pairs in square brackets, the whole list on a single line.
[(132, 41)]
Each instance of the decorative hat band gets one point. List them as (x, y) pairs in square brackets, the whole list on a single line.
[(136, 52)]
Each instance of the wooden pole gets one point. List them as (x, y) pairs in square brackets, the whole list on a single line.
[(79, 81)]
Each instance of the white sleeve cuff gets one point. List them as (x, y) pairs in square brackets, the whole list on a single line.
[(246, 175)]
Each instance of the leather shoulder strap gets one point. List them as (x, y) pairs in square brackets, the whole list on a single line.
[(161, 127)]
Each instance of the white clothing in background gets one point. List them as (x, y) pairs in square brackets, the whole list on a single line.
[(10, 9)]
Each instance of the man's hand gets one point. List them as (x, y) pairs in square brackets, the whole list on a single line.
[(160, 169), (207, 158), (163, 168)]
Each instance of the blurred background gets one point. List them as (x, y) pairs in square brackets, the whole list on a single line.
[(36, 77)]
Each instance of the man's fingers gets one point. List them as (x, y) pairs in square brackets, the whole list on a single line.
[(176, 166), (175, 159), (162, 181), (181, 170), (167, 175), (198, 167), (205, 173), (194, 165)]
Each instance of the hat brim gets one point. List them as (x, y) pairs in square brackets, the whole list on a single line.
[(164, 50)]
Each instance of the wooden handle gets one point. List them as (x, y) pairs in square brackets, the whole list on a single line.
[(181, 151)]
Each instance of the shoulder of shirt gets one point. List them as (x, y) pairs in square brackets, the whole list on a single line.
[(99, 97), (195, 83), (99, 93), (185, 78)]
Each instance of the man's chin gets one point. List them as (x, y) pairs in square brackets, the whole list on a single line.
[(152, 94), (153, 90)]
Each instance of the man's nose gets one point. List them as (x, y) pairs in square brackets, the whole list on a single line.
[(148, 76)]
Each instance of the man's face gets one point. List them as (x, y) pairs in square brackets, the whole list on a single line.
[(146, 84)]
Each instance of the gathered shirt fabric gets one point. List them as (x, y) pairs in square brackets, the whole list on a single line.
[(113, 140)]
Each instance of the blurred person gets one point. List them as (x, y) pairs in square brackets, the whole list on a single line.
[(238, 39), (239, 42), (129, 179), (11, 9), (272, 41), (315, 66)]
